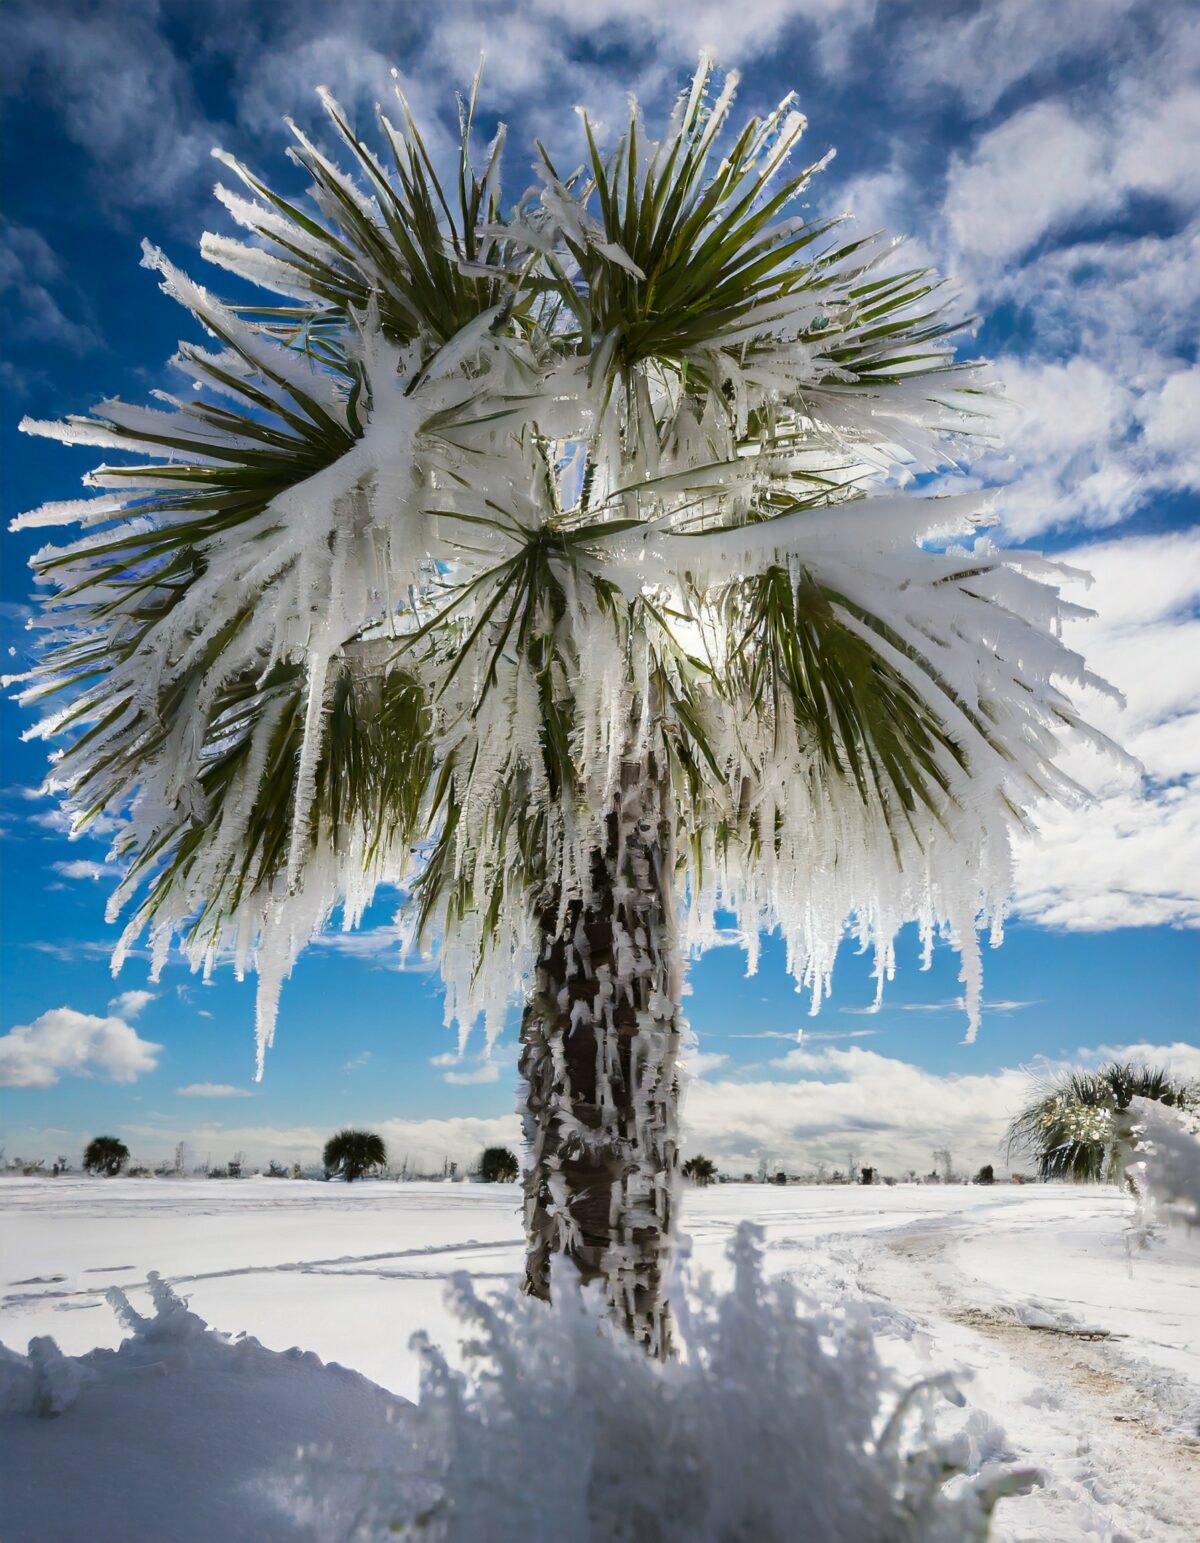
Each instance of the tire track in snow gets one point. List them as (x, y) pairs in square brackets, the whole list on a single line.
[(298, 1266)]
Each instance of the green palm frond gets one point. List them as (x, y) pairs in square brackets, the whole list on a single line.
[(669, 261), (371, 783), (828, 689), (430, 263)]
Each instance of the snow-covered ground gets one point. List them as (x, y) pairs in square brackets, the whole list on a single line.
[(1077, 1341)]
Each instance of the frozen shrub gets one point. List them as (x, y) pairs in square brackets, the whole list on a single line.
[(1167, 1166), (777, 1423)]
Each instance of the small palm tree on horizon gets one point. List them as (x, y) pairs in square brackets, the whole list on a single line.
[(105, 1155), (700, 1169), (551, 565), (352, 1154), (498, 1165)]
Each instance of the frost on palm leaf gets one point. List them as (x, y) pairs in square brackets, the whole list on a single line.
[(554, 566)]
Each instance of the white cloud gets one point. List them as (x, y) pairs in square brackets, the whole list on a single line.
[(119, 91), (980, 56), (475, 1072), (425, 1143), (213, 1090), (1050, 164), (357, 1062), (1129, 858), (130, 1003), (735, 34), (474, 1076), (30, 273), (953, 1005), (384, 945), (1181, 1059), (825, 1103), (1025, 179), (63, 1042), (85, 868), (890, 1112), (699, 1063)]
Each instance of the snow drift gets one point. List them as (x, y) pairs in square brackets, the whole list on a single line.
[(780, 1421)]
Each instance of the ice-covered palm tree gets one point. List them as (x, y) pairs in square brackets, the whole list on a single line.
[(553, 565), (1076, 1126)]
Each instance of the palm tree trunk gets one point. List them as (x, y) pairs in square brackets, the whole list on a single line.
[(599, 1040)]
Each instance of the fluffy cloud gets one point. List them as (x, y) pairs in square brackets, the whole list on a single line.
[(213, 1090), (1180, 1059), (734, 34), (29, 272), (1128, 859), (466, 1074), (64, 1042), (130, 1003), (425, 1144), (986, 51), (119, 91), (85, 868), (823, 1104), (996, 208)]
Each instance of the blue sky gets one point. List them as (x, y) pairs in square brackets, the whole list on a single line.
[(1047, 157)]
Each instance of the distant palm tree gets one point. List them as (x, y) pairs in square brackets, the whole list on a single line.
[(553, 564), (498, 1166), (701, 1170), (352, 1153), (1072, 1128), (106, 1155)]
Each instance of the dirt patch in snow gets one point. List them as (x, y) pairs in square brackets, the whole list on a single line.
[(1136, 1426)]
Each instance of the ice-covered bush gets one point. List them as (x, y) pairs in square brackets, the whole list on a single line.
[(777, 1423), (1166, 1168)]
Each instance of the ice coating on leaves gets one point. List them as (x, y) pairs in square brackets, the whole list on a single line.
[(501, 511), (781, 1422)]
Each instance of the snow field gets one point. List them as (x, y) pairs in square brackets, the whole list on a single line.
[(996, 1287)]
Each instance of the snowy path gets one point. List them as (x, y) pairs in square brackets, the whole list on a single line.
[(1000, 1284), (1074, 1387)]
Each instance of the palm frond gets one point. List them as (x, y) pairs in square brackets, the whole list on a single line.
[(429, 263)]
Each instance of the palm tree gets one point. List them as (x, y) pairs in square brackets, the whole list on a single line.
[(700, 1169), (549, 565), (1072, 1127), (499, 1166), (353, 1153), (106, 1155)]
